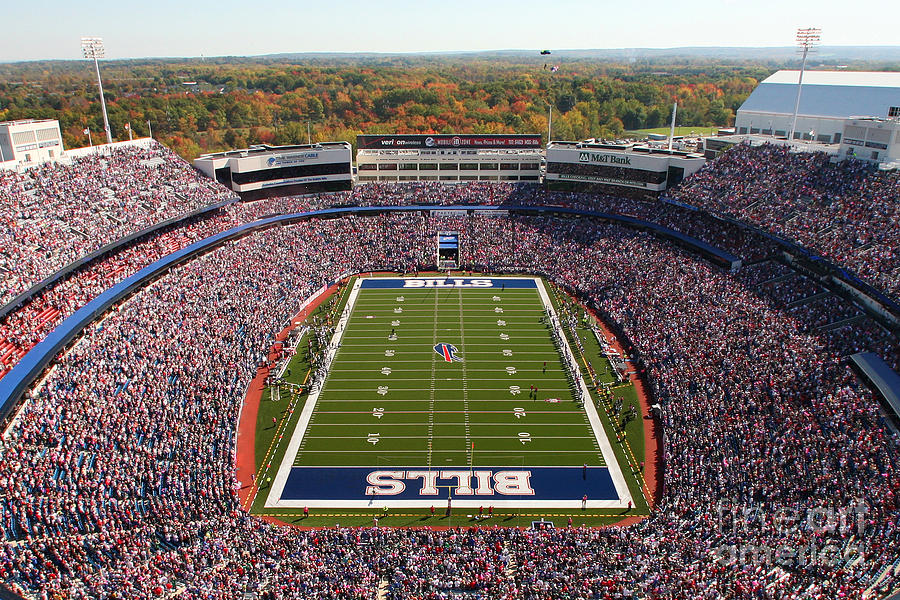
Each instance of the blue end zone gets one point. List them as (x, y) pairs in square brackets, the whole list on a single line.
[(367, 483), (449, 282)]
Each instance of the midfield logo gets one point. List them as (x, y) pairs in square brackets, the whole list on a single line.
[(448, 351)]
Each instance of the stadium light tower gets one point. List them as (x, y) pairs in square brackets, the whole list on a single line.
[(807, 40), (92, 48)]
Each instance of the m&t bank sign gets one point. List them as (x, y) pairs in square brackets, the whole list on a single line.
[(609, 159)]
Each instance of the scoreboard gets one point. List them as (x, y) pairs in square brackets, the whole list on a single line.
[(448, 158)]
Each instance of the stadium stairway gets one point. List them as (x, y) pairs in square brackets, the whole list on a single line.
[(808, 299), (511, 566), (778, 279), (874, 592), (841, 323)]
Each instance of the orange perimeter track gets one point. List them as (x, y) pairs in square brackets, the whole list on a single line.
[(245, 453)]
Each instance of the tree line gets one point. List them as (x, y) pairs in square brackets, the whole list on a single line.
[(197, 106)]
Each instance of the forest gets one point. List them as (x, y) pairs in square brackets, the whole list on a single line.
[(196, 106)]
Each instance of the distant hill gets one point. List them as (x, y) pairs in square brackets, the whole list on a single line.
[(853, 57), (825, 54)]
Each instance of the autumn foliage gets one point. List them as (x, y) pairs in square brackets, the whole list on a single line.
[(197, 106)]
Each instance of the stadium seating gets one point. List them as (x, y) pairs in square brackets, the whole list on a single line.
[(117, 477), (104, 492), (55, 213), (847, 212)]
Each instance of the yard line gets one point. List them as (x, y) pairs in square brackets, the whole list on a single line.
[(390, 378), (462, 342), (446, 437), (371, 451), (416, 424), (490, 389), (447, 412), (513, 336), (346, 353), (433, 374)]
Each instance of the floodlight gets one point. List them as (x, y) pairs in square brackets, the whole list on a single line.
[(92, 48), (807, 40)]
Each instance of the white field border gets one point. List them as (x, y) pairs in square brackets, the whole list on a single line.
[(609, 457), (274, 499), (303, 423)]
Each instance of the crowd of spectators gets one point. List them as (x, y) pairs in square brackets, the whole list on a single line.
[(57, 212), (117, 477), (846, 211)]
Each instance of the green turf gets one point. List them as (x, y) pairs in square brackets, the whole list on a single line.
[(449, 404), (432, 411)]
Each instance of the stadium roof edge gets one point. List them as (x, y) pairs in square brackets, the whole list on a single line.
[(266, 149), (881, 377), (836, 78)]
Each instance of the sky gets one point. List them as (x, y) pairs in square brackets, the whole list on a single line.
[(51, 29)]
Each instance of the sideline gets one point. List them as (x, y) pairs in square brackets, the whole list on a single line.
[(290, 455), (609, 456), (245, 449), (653, 469)]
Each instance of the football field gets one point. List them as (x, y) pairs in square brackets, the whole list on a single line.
[(444, 389)]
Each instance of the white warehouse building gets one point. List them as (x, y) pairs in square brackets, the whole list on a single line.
[(827, 100), (30, 141)]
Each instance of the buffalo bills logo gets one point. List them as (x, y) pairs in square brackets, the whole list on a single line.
[(448, 351)]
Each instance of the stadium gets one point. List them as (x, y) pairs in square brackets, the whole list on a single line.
[(423, 389)]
